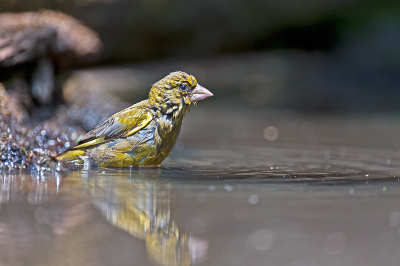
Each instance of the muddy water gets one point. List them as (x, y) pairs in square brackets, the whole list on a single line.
[(236, 199)]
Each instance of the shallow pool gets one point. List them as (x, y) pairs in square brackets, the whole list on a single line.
[(223, 197)]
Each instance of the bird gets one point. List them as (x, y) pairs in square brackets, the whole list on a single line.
[(143, 134)]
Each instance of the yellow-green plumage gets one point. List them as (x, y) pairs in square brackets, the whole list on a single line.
[(143, 134)]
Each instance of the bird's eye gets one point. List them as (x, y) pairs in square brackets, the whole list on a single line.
[(183, 87)]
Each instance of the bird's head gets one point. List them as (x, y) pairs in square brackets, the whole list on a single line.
[(175, 92)]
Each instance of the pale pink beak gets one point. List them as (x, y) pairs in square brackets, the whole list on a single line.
[(200, 93)]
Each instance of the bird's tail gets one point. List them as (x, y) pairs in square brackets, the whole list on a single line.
[(72, 157)]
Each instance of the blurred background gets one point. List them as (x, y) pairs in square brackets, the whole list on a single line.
[(277, 59), (330, 56)]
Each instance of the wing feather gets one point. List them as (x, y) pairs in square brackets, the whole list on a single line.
[(122, 124)]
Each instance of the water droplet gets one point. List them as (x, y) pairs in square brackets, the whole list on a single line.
[(271, 133), (261, 240), (228, 187), (394, 219), (179, 145), (239, 130), (253, 199), (42, 215)]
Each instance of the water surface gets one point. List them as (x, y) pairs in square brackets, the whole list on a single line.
[(220, 199), (243, 206)]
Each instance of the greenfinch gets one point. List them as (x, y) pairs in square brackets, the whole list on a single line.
[(143, 134)]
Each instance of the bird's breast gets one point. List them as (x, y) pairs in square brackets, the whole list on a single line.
[(165, 124), (168, 130)]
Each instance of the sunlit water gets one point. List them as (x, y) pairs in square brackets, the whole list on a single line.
[(278, 190), (210, 206)]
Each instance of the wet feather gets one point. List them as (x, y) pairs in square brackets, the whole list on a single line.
[(143, 134)]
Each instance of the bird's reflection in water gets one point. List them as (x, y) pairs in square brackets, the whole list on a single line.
[(137, 203), (141, 206)]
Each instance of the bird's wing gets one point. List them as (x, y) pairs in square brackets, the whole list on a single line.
[(122, 124)]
